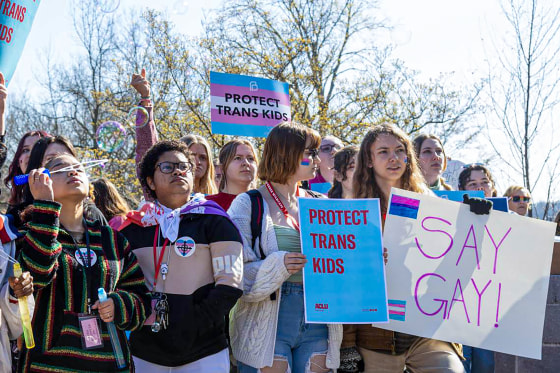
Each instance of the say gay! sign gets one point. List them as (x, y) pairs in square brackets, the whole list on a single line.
[(247, 106)]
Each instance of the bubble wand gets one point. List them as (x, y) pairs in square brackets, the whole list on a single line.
[(24, 179), (117, 350), (24, 312)]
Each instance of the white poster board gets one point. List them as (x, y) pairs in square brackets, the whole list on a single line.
[(480, 280)]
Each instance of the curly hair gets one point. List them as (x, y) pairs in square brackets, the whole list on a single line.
[(147, 166), (364, 182), (342, 160)]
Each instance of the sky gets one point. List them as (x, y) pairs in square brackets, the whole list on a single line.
[(431, 36)]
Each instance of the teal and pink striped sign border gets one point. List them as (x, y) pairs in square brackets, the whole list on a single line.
[(247, 106)]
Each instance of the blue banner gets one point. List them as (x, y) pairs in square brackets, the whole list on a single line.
[(344, 278), (498, 203), (16, 18)]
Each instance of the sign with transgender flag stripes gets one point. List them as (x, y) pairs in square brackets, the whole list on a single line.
[(247, 106), (397, 309)]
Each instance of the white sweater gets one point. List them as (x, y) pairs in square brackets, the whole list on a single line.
[(254, 318)]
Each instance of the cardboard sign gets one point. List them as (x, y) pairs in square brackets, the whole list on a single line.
[(480, 280), (344, 278), (247, 106)]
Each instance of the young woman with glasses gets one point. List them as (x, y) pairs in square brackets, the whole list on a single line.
[(190, 253), (267, 326)]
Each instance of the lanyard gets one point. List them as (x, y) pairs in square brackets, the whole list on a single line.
[(289, 218), (157, 263), (87, 264)]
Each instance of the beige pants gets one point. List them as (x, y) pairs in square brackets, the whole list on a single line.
[(424, 356)]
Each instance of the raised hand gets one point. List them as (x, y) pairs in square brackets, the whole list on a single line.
[(141, 84)]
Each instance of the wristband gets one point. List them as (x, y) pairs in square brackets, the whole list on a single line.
[(145, 98)]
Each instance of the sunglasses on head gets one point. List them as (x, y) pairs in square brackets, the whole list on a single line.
[(520, 198)]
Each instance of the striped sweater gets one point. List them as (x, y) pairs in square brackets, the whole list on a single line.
[(48, 252)]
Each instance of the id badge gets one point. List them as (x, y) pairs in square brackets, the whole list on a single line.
[(90, 326)]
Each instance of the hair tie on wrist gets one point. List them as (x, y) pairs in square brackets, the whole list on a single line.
[(145, 98)]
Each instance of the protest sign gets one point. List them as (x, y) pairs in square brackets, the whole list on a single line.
[(498, 203), (481, 280), (452, 172), (457, 195), (247, 106), (16, 18), (344, 278)]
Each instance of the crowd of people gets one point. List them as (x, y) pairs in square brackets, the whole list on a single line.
[(206, 274)]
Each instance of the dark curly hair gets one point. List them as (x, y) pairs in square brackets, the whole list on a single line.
[(147, 166)]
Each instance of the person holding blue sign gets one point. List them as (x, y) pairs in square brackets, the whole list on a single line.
[(386, 159), (267, 327), (432, 160)]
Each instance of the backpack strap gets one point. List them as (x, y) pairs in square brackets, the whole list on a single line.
[(257, 214)]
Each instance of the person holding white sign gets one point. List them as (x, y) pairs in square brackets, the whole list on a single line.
[(432, 160), (386, 159), (267, 327)]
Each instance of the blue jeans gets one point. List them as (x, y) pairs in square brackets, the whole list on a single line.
[(296, 341), (478, 360)]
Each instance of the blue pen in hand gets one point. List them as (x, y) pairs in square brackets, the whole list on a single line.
[(117, 350)]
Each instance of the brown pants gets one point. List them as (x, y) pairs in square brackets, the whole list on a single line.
[(424, 356)]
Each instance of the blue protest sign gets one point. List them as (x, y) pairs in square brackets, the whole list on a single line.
[(16, 18), (246, 105), (344, 278), (499, 203), (457, 195)]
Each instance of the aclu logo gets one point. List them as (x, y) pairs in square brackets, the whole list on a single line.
[(321, 306)]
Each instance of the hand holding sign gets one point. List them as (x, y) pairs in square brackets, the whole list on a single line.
[(294, 262)]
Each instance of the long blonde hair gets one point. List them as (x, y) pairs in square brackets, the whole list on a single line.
[(364, 183), (205, 184)]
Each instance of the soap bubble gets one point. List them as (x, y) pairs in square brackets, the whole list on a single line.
[(108, 6), (180, 7), (110, 136), (133, 114)]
